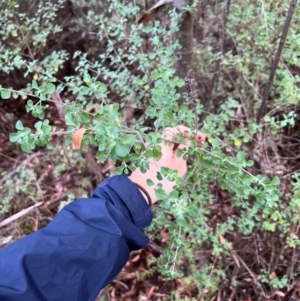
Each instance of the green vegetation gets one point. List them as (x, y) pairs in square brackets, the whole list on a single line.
[(94, 66)]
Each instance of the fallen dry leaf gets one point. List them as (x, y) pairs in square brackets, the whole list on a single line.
[(77, 138)]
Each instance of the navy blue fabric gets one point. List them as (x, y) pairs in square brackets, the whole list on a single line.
[(81, 250)]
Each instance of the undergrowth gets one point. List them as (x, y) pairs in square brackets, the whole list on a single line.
[(234, 194)]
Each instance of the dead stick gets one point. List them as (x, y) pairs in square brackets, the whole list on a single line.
[(28, 210)]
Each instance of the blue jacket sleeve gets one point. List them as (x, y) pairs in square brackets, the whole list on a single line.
[(81, 250)]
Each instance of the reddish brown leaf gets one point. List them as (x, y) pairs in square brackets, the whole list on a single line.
[(77, 138)]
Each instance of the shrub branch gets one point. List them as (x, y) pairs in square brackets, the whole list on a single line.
[(277, 58)]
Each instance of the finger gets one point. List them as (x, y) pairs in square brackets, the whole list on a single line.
[(200, 138), (170, 133)]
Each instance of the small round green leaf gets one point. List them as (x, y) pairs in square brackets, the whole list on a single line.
[(14, 137), (5, 93), (149, 182), (19, 125), (87, 78), (122, 150), (50, 88)]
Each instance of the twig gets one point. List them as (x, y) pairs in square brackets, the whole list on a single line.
[(236, 256), (285, 30), (176, 252), (232, 164), (234, 276), (24, 39), (254, 277), (293, 262), (152, 245), (58, 104), (28, 210), (240, 94)]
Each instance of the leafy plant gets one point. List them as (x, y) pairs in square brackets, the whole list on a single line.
[(131, 65)]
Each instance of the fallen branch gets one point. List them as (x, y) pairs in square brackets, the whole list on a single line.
[(29, 209)]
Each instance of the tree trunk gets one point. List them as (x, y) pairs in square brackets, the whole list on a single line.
[(185, 53)]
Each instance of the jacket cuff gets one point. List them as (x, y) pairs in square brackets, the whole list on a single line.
[(131, 197)]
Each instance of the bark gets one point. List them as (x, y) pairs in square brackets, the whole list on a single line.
[(185, 55)]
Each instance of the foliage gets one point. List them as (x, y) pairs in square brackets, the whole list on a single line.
[(134, 65)]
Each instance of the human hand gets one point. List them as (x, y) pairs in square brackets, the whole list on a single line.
[(169, 159)]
